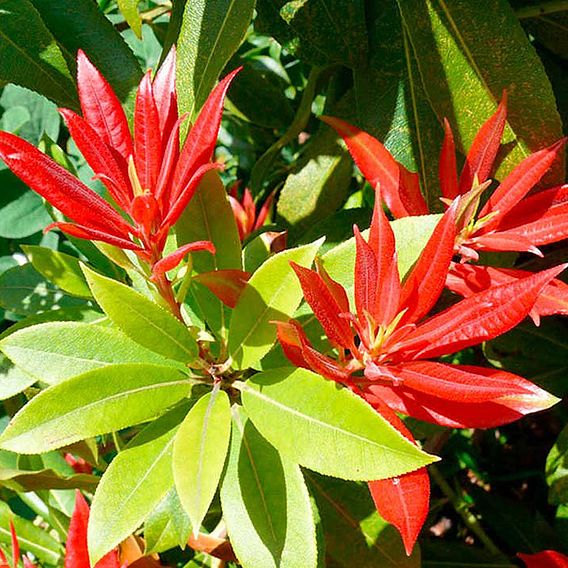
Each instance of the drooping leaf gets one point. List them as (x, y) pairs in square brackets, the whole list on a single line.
[(265, 503), (136, 481), (23, 36), (199, 453), (464, 75), (210, 33), (59, 268), (272, 293), (353, 529), (53, 352), (167, 525), (343, 438), (97, 402), (141, 319)]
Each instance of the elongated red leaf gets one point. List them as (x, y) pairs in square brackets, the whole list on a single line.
[(164, 89), (99, 157), (519, 182), (172, 260), (544, 559), (464, 414), (64, 191), (447, 169), (92, 234), (337, 290), (15, 545), (469, 279), (289, 334), (147, 138), (101, 107), (264, 211), (324, 306), (375, 162), (426, 281), (478, 318), (484, 148), (200, 142), (227, 285), (169, 163), (509, 241), (365, 277)]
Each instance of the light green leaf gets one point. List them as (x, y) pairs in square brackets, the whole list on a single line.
[(97, 402), (13, 380), (200, 448), (137, 480), (53, 352), (468, 53), (23, 481), (557, 470), (318, 184), (129, 9), (59, 268), (31, 538), (353, 529), (411, 234), (25, 292), (167, 525), (266, 504), (30, 55), (210, 33), (141, 319), (272, 294), (327, 428)]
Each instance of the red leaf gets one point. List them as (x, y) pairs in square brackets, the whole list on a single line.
[(227, 285), (60, 188), (544, 559), (93, 235), (15, 545), (478, 318), (101, 108), (426, 281), (336, 289), (447, 168), (366, 277), (99, 157), (469, 279), (484, 148), (169, 163), (375, 162), (289, 335), (147, 138), (324, 306), (264, 211), (519, 182), (164, 89), (200, 142), (509, 241), (172, 260)]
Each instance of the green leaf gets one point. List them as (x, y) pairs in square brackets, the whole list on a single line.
[(136, 481), (318, 184), (210, 34), (31, 538), (97, 402), (25, 292), (209, 217), (323, 32), (141, 319), (54, 352), (353, 528), (13, 380), (59, 268), (272, 294), (468, 53), (24, 481), (23, 216), (30, 55), (80, 24), (557, 470), (129, 9), (200, 448), (266, 504), (327, 428), (411, 234), (167, 525)]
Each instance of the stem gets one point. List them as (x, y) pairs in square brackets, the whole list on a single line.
[(165, 288), (542, 9), (462, 508)]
